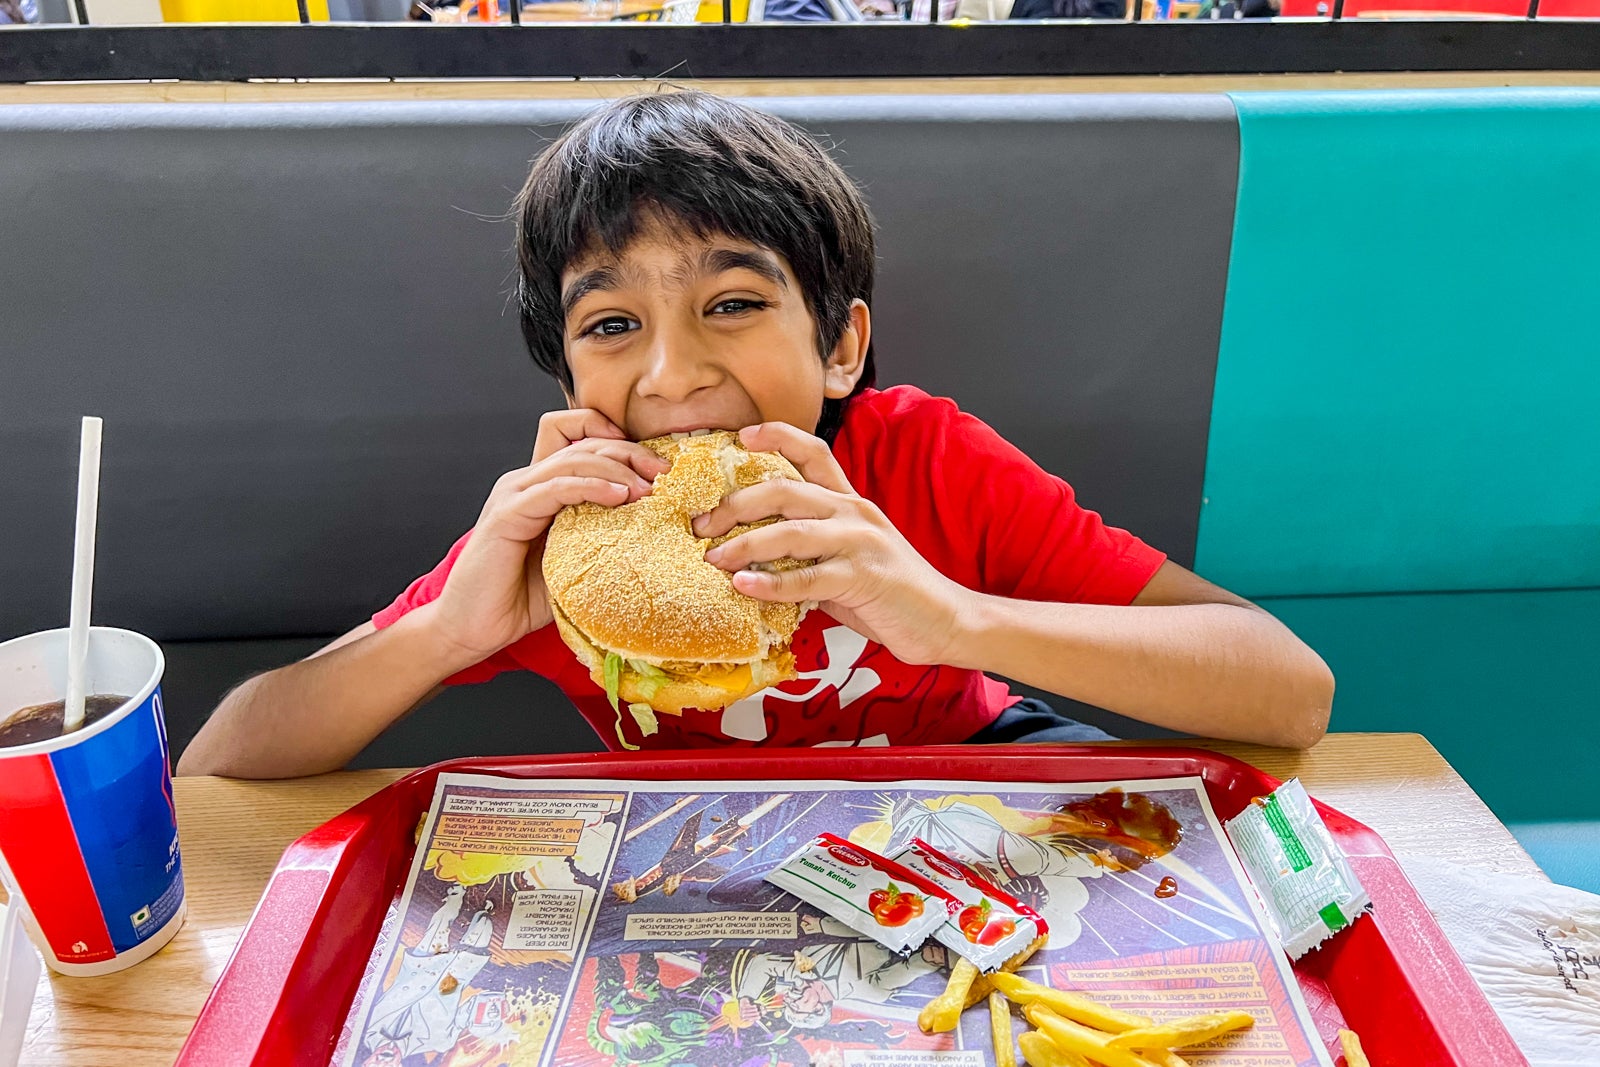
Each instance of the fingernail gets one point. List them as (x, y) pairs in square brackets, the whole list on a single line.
[(698, 524), (748, 432), (714, 555), (644, 486)]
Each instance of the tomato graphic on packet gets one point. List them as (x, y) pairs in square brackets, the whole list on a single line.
[(891, 907), (977, 927)]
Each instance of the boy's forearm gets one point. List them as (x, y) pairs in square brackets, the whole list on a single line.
[(1217, 670), (315, 715)]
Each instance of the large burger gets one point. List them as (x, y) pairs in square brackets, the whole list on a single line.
[(634, 597)]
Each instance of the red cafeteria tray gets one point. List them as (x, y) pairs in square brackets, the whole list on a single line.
[(285, 992)]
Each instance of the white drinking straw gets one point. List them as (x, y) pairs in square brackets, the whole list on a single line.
[(82, 573)]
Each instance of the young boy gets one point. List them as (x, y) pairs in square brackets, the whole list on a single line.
[(687, 263)]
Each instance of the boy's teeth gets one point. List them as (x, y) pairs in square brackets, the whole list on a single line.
[(698, 433)]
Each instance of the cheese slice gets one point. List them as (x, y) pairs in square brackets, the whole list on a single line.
[(736, 680)]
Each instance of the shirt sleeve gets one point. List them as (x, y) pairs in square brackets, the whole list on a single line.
[(1007, 525), (425, 590)]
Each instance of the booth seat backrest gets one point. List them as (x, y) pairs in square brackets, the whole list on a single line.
[(1404, 457), (296, 320), (1339, 350)]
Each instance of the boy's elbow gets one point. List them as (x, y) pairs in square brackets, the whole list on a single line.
[(210, 754), (1314, 703), (197, 761), (218, 748)]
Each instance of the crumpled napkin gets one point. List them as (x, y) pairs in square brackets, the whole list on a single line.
[(1534, 948)]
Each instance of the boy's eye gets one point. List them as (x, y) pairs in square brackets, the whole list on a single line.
[(613, 327), (735, 306)]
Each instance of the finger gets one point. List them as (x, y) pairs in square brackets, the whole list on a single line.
[(574, 462), (558, 429), (635, 455), (828, 580), (643, 463), (810, 454), (527, 514), (585, 463), (549, 497), (800, 539), (778, 498)]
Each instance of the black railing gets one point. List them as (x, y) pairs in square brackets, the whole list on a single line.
[(694, 51)]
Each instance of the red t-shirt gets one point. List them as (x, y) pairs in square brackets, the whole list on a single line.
[(974, 506)]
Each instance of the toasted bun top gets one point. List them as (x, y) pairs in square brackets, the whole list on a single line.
[(633, 579)]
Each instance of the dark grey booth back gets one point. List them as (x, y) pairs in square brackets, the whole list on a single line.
[(297, 323)]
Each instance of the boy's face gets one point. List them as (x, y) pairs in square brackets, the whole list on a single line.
[(680, 333)]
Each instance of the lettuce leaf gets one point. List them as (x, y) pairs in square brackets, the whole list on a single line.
[(613, 679), (621, 738), (651, 677), (645, 716)]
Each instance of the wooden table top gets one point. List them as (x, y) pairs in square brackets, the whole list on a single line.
[(234, 832)]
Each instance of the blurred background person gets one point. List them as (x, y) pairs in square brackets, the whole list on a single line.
[(1069, 9), (18, 12), (1240, 9)]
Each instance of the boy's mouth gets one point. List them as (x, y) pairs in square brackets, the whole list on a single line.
[(685, 430)]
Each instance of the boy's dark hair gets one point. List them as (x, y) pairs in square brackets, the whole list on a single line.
[(711, 166)]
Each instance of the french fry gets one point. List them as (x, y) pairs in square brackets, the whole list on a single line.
[(1005, 1053), (983, 987), (942, 1013), (1024, 956), (1075, 1038), (1163, 1057), (1182, 1033), (1079, 1009), (1040, 1051), (1351, 1044)]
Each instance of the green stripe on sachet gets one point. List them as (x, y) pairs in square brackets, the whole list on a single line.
[(1279, 822)]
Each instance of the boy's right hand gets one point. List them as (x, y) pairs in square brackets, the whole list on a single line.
[(495, 593)]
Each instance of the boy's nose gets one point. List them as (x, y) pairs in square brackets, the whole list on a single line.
[(675, 370)]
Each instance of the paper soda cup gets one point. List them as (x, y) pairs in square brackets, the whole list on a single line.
[(88, 829)]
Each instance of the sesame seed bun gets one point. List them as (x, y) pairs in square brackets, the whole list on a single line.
[(633, 580)]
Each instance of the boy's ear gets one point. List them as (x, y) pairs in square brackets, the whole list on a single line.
[(848, 360)]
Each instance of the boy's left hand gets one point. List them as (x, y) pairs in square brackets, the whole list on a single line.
[(866, 574)]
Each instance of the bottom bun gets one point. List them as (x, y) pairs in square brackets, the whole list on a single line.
[(682, 694), (677, 694)]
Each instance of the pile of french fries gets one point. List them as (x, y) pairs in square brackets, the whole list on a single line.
[(1072, 1030)]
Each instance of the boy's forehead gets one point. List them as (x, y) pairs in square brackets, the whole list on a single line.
[(665, 249)]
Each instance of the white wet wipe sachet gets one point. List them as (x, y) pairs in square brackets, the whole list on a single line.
[(1534, 949)]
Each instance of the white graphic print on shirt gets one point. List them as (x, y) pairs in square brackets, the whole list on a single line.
[(746, 719)]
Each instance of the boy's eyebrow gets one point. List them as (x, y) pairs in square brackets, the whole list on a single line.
[(712, 261), (717, 260), (599, 280)]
